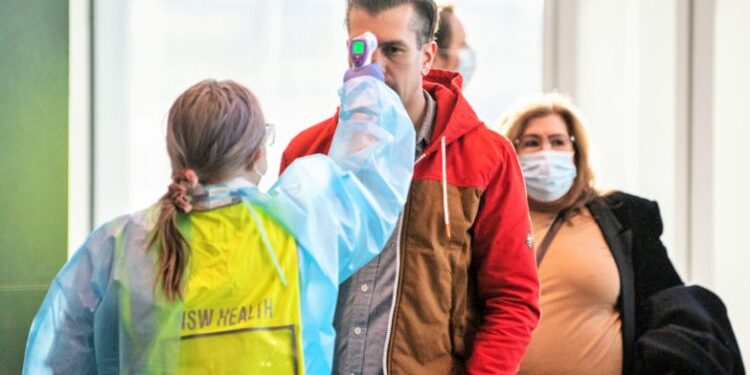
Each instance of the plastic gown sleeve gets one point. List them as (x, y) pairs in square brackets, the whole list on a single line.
[(349, 203), (61, 339), (342, 208)]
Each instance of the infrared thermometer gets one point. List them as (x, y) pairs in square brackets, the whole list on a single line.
[(361, 49)]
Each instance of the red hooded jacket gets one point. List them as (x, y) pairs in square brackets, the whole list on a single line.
[(468, 302)]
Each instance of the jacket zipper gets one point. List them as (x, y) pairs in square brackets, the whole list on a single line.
[(396, 280), (389, 329)]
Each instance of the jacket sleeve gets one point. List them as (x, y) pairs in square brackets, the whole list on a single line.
[(505, 266), (348, 203), (61, 339)]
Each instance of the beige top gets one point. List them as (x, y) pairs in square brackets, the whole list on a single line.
[(580, 329)]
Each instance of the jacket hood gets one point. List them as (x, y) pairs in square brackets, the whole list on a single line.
[(454, 117)]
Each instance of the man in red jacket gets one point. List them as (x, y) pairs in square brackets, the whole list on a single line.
[(455, 290)]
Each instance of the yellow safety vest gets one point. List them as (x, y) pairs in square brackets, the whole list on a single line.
[(241, 311)]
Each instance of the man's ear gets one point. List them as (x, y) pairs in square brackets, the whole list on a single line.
[(429, 50)]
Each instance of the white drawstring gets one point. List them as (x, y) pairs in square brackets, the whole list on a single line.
[(447, 219)]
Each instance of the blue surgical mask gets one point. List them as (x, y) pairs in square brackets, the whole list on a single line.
[(548, 174), (467, 63)]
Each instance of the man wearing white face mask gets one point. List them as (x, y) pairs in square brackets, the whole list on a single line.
[(453, 51), (611, 301)]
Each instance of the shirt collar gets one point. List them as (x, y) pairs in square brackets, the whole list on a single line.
[(425, 131)]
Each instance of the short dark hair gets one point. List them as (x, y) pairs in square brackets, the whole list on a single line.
[(426, 10), (444, 33)]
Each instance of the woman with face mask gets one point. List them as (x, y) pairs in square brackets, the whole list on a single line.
[(219, 277), (599, 256)]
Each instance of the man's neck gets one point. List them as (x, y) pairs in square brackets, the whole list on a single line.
[(416, 108)]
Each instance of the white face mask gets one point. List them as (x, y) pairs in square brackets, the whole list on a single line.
[(548, 174), (467, 63)]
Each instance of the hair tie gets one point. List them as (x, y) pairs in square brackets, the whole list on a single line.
[(180, 188)]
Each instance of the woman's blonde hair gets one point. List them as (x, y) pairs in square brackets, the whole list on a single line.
[(214, 130), (514, 124)]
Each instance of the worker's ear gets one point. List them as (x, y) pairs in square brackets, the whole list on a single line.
[(258, 165)]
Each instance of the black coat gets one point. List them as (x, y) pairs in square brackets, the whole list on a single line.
[(656, 309)]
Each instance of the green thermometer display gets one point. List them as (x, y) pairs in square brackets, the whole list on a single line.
[(358, 47), (361, 49)]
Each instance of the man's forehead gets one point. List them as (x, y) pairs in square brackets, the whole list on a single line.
[(390, 25)]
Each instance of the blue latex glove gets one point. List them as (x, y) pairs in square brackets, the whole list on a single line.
[(373, 70)]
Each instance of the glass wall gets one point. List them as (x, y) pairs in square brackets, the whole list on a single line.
[(290, 53)]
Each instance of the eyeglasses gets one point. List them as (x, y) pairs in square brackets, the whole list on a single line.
[(534, 142), (270, 137)]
